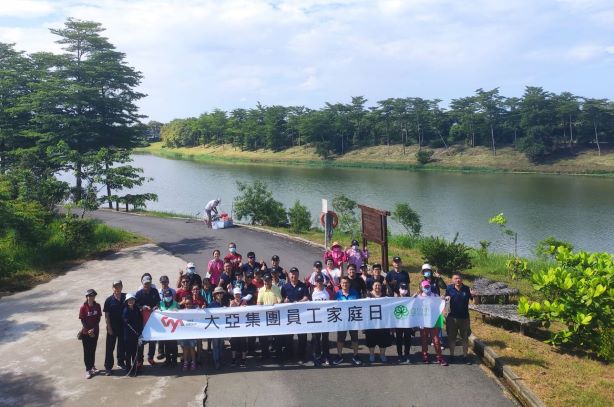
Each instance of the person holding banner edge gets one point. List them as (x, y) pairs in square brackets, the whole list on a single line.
[(346, 293)]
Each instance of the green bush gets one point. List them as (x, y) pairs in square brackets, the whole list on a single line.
[(448, 257), (424, 156), (256, 203), (578, 292), (77, 232), (408, 218), (300, 218), (547, 248)]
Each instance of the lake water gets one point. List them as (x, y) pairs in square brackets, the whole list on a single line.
[(577, 209)]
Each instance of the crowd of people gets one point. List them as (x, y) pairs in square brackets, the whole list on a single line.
[(232, 282)]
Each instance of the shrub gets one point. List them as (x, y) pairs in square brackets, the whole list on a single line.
[(77, 232), (346, 212), (548, 247), (257, 204), (424, 156), (408, 218), (300, 218), (578, 293), (448, 257)]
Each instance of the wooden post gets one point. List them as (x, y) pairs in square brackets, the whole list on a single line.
[(375, 228)]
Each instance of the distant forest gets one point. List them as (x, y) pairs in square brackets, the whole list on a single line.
[(538, 124)]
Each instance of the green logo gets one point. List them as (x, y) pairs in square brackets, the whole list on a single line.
[(401, 311)]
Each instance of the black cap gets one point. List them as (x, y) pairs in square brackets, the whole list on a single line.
[(403, 286), (251, 254), (90, 292), (377, 266), (354, 242), (364, 266), (275, 257), (167, 293), (274, 270), (267, 277), (249, 274), (164, 279), (293, 270), (396, 259), (238, 271), (319, 278), (317, 263)]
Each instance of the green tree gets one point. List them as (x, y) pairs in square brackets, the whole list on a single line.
[(408, 218), (256, 204), (346, 212), (448, 257), (300, 218)]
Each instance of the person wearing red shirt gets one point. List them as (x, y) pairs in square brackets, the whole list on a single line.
[(233, 256), (90, 314), (197, 300), (184, 291)]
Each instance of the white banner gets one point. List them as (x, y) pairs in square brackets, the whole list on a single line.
[(294, 318)]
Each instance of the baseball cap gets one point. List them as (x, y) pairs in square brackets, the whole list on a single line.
[(317, 263), (249, 274), (91, 292), (319, 278), (130, 296), (354, 242), (425, 283), (293, 270), (251, 254), (219, 290), (426, 266), (275, 257), (146, 280), (377, 266), (236, 291), (274, 270), (403, 286), (396, 259), (267, 276), (117, 282), (190, 265), (164, 279), (167, 293)]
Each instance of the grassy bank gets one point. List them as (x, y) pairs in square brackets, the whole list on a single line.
[(478, 159), (34, 264)]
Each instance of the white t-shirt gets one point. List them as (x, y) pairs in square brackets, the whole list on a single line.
[(320, 295), (210, 205), (336, 275)]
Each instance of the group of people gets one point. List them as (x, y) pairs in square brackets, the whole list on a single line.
[(232, 282)]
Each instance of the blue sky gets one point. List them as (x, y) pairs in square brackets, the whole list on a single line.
[(197, 55)]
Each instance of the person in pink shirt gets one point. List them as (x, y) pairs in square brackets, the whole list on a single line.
[(215, 267), (337, 254), (355, 255)]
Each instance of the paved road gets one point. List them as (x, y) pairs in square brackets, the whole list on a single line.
[(291, 385)]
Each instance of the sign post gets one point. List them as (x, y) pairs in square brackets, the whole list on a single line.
[(375, 229), (328, 223)]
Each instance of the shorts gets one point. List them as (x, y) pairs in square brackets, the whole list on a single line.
[(456, 325), (378, 337), (342, 334)]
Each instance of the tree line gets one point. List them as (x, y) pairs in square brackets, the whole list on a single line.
[(74, 112), (540, 123)]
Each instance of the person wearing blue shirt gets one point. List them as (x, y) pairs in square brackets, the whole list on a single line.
[(296, 291), (458, 294), (113, 307), (344, 294), (395, 277)]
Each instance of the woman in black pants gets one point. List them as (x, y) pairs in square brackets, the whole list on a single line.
[(90, 314)]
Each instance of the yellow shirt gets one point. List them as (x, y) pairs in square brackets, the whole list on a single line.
[(269, 296)]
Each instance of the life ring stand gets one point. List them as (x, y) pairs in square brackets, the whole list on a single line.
[(333, 215)]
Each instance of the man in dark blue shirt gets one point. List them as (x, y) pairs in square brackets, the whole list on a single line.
[(251, 265), (458, 294), (395, 277), (113, 307), (295, 291), (148, 299)]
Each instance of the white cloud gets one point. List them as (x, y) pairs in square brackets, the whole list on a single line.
[(30, 8)]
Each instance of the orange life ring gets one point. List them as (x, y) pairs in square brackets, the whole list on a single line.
[(334, 216)]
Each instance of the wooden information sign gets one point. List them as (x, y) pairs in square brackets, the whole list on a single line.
[(375, 229)]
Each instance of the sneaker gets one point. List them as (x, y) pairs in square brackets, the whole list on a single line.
[(139, 366), (408, 360), (243, 363), (356, 360), (122, 365), (442, 361), (383, 359), (88, 374), (193, 365), (467, 360), (151, 361), (338, 360), (108, 372), (401, 360), (185, 366), (94, 371), (371, 358), (326, 362)]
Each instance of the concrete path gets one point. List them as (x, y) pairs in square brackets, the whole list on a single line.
[(43, 359)]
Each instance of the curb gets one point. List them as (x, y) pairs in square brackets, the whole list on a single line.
[(514, 383), (279, 234)]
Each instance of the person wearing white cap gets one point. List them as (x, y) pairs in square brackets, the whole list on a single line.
[(191, 274), (434, 278), (210, 209), (238, 345)]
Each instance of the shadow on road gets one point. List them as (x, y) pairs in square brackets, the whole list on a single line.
[(33, 390)]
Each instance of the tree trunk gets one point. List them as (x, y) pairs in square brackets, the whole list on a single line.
[(442, 140), (79, 181), (492, 137), (570, 133), (108, 188), (597, 138)]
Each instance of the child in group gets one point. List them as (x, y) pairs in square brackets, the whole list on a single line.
[(403, 335), (425, 287), (133, 326), (217, 343), (188, 345), (168, 303), (238, 345)]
